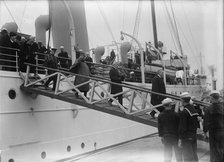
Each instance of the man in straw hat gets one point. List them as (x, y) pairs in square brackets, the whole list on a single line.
[(168, 122), (214, 124), (188, 128)]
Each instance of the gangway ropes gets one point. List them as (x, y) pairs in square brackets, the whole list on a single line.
[(133, 96)]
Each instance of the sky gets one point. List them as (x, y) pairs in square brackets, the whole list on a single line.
[(199, 22)]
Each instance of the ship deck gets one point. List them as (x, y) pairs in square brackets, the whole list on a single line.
[(147, 149)]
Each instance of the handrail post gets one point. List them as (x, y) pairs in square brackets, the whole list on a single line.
[(17, 66), (92, 91), (27, 74), (36, 62), (57, 83)]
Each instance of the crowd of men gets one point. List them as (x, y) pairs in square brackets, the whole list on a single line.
[(28, 51), (178, 130), (178, 124)]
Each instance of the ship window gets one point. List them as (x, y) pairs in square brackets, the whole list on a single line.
[(12, 94), (43, 155), (82, 145), (68, 148), (11, 160)]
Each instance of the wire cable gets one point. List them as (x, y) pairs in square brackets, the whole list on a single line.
[(10, 14), (170, 30), (24, 9), (176, 29), (105, 20)]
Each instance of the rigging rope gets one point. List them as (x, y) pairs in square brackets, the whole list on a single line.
[(137, 19), (194, 43), (105, 20), (123, 17), (172, 26), (11, 14), (175, 25), (170, 30), (195, 55), (176, 33), (24, 9)]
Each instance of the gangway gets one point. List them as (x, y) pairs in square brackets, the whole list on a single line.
[(136, 105)]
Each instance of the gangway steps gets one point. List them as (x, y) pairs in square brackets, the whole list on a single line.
[(98, 101), (101, 106)]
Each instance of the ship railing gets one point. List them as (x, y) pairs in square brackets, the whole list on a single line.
[(131, 93), (9, 59), (103, 71), (40, 59)]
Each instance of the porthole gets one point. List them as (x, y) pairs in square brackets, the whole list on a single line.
[(68, 148), (12, 94), (82, 145), (43, 155)]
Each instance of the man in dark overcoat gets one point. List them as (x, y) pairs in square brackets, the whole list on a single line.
[(80, 67), (63, 58), (117, 77), (158, 86), (51, 62), (214, 124)]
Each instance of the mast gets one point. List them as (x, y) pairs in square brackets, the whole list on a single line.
[(155, 36), (49, 31), (154, 23)]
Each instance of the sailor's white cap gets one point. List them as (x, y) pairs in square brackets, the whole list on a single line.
[(4, 29), (61, 47), (167, 101), (215, 93), (185, 95)]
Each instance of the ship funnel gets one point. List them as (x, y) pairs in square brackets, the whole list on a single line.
[(99, 52), (124, 49), (42, 24), (11, 27)]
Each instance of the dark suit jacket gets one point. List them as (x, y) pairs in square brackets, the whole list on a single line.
[(116, 77), (157, 86)]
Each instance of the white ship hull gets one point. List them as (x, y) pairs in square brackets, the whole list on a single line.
[(52, 127), (52, 131)]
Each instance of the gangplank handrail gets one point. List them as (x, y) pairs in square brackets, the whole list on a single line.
[(129, 94), (145, 89)]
